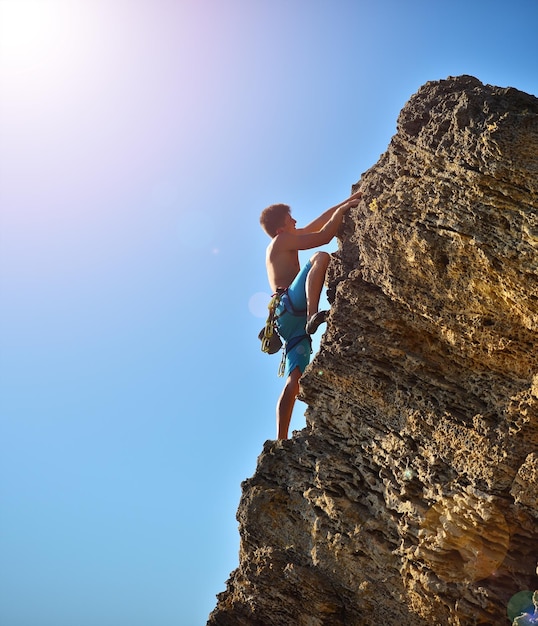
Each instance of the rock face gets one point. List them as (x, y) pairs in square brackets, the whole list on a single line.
[(412, 495)]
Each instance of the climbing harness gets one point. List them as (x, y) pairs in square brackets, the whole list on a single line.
[(271, 341)]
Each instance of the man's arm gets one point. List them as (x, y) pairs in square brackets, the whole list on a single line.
[(322, 220), (302, 240)]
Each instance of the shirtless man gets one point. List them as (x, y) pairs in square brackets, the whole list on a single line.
[(297, 315)]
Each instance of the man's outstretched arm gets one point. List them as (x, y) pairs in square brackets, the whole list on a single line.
[(301, 240), (322, 220)]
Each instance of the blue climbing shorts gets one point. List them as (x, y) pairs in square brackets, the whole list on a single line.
[(291, 322)]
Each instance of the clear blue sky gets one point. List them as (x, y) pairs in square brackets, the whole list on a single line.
[(139, 141)]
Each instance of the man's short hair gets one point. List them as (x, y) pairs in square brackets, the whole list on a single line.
[(272, 218)]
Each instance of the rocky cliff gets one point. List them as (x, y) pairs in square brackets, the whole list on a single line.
[(411, 497)]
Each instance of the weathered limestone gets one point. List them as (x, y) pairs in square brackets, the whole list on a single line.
[(412, 496)]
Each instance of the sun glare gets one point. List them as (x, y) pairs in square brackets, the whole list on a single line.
[(28, 32), (40, 36)]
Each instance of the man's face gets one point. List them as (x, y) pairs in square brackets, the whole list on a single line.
[(289, 224)]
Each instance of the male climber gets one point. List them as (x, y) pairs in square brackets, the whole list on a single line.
[(297, 315)]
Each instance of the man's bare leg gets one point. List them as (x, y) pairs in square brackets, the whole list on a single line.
[(314, 284), (284, 407), (315, 281)]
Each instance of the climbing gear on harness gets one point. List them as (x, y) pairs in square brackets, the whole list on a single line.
[(271, 342), (271, 345), (292, 343)]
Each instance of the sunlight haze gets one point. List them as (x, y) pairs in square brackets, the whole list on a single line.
[(139, 142)]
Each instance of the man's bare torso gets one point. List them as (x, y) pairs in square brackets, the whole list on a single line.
[(282, 264)]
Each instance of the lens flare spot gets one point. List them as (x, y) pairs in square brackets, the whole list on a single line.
[(257, 304), (523, 605)]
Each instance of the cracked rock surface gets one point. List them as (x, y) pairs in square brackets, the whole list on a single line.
[(411, 497)]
